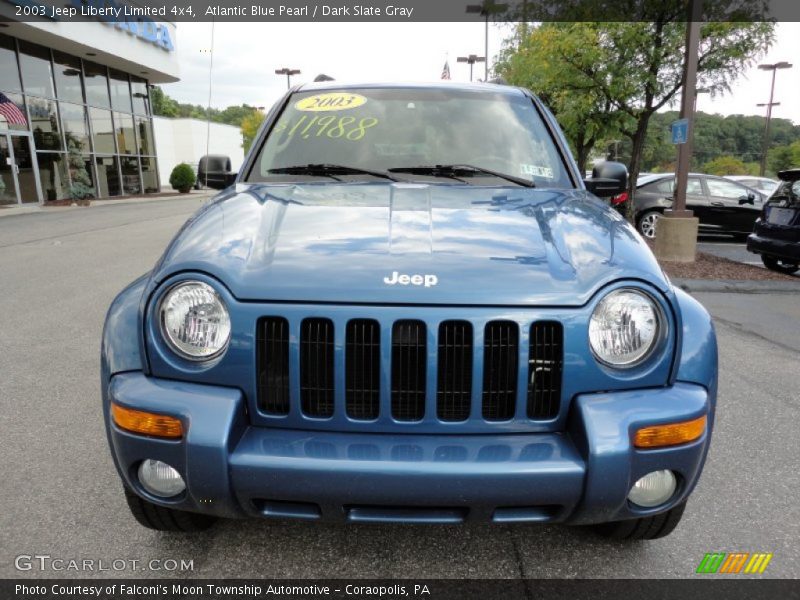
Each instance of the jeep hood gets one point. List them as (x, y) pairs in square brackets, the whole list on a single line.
[(440, 244)]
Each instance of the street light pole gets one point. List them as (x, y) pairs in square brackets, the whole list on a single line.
[(765, 147), (288, 72), (486, 9), (471, 59)]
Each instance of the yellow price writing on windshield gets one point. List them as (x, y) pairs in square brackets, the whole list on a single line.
[(348, 128), (330, 101)]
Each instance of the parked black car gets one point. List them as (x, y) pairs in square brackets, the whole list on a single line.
[(214, 171), (777, 232), (722, 205)]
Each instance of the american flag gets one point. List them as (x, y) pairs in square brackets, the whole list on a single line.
[(446, 71), (13, 115)]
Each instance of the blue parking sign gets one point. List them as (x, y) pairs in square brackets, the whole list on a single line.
[(680, 131)]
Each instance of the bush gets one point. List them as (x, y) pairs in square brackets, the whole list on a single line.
[(182, 178)]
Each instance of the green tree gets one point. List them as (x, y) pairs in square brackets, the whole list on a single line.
[(637, 67), (725, 165), (784, 157), (250, 125), (161, 104)]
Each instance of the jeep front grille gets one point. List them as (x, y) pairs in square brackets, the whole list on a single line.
[(272, 362), (362, 365), (409, 366), (389, 370)]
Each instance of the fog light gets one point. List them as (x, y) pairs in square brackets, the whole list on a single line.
[(160, 479), (653, 489)]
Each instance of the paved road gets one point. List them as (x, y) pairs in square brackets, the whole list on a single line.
[(60, 495)]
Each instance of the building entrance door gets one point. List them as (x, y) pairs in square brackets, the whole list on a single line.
[(19, 173)]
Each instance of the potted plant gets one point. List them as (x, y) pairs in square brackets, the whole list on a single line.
[(182, 178)]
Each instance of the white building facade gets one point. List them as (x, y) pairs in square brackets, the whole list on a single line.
[(75, 115)]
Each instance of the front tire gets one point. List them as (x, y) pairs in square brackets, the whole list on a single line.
[(161, 518), (647, 222), (779, 265), (646, 528)]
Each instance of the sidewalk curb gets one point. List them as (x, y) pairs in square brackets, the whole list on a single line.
[(738, 286), (42, 210)]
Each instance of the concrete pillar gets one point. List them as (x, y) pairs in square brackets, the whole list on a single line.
[(676, 238)]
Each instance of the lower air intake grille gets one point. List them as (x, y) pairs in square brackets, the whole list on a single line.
[(454, 391), (409, 361), (272, 363), (362, 364), (316, 367), (545, 364), (500, 352)]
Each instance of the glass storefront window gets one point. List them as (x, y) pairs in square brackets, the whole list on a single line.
[(37, 72), (53, 175), (13, 119), (96, 80), (126, 142), (120, 91), (108, 183), (9, 71), (131, 183), (76, 127), (44, 124), (102, 130), (141, 101), (144, 130), (149, 175), (69, 81)]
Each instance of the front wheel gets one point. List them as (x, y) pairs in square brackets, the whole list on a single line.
[(647, 223), (781, 266), (161, 518), (646, 528)]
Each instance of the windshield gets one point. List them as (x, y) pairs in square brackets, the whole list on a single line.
[(382, 129)]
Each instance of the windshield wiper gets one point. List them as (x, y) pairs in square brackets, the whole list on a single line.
[(455, 171), (329, 170)]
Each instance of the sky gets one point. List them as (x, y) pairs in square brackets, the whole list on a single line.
[(247, 54)]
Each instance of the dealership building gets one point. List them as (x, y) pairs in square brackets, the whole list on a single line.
[(75, 110)]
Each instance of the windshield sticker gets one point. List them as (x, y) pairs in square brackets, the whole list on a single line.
[(330, 101), (536, 171), (348, 128)]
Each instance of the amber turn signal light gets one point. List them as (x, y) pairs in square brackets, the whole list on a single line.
[(670, 435), (146, 423)]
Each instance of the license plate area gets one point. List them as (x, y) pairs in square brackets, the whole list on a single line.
[(781, 216)]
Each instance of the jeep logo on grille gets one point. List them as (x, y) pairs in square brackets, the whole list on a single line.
[(403, 279)]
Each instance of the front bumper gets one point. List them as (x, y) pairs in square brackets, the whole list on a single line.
[(581, 475)]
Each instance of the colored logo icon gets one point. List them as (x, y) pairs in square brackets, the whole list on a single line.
[(734, 562)]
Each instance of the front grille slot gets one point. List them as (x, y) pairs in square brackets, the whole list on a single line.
[(500, 358), (454, 381), (316, 367), (362, 364), (409, 374), (545, 365), (272, 365)]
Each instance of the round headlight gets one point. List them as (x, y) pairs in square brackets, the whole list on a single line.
[(195, 321), (624, 328)]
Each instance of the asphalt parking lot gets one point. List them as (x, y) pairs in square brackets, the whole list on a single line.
[(61, 497)]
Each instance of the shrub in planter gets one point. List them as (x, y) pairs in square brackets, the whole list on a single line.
[(182, 178)]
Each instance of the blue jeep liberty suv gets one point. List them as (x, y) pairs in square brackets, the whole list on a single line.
[(409, 306)]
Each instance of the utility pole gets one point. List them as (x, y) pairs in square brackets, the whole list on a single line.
[(488, 8), (471, 59), (765, 147), (676, 236), (288, 72)]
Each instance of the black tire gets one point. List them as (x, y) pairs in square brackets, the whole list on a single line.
[(160, 518), (646, 223), (779, 265), (646, 528)]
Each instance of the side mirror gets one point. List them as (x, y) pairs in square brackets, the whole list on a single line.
[(226, 180), (748, 199), (608, 179)]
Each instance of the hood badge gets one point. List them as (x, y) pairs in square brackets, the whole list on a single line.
[(404, 279)]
